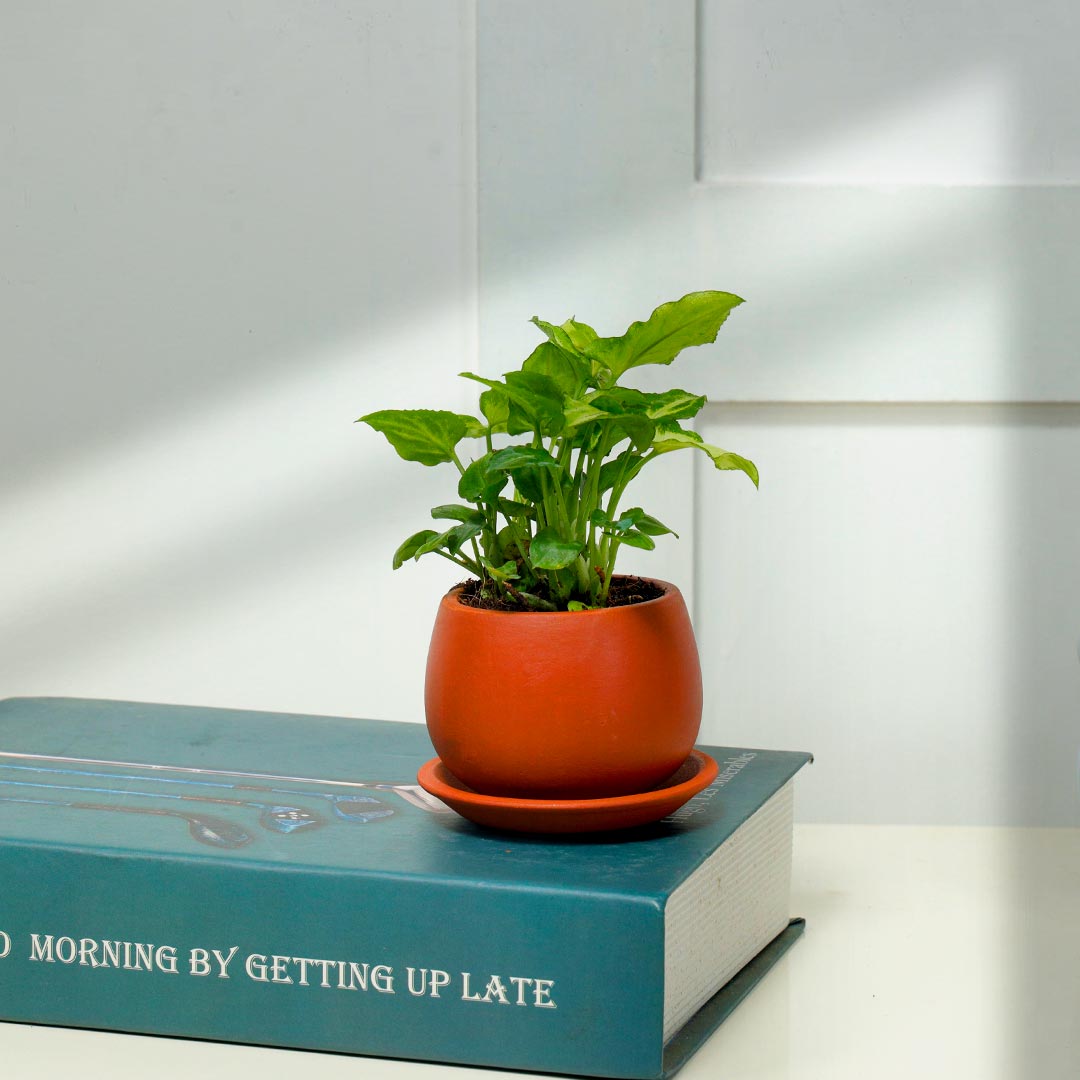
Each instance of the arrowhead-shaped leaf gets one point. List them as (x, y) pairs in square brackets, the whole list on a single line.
[(511, 508), (452, 539), (424, 435), (456, 512), (533, 395), (539, 396), (626, 466), (693, 320), (673, 405), (581, 335), (649, 525), (637, 539), (495, 406), (568, 371), (411, 546), (581, 412), (634, 519), (517, 457), (627, 410), (722, 459), (479, 483), (557, 335), (550, 551), (505, 572)]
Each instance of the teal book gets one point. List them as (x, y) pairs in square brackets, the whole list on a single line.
[(281, 880)]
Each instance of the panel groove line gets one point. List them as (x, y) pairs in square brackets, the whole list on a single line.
[(1067, 411)]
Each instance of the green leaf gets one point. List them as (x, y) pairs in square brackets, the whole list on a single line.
[(695, 319), (456, 512), (424, 435), (540, 397), (620, 399), (649, 525), (550, 551), (410, 547), (520, 422), (633, 519), (480, 484), (534, 394), (534, 601), (638, 540), (581, 335), (610, 472), (668, 424), (495, 406), (673, 405), (627, 411), (558, 335), (640, 430), (451, 540), (508, 543), (722, 459), (487, 476), (568, 371), (511, 508), (528, 484), (577, 605), (516, 457), (581, 412), (506, 572)]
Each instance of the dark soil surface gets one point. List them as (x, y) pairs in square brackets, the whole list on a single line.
[(623, 591)]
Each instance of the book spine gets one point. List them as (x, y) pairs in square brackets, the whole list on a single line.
[(383, 965)]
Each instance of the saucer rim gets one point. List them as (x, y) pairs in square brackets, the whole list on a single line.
[(707, 771)]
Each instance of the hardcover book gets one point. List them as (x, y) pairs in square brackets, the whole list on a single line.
[(281, 880)]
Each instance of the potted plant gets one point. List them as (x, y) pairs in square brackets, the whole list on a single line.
[(549, 675)]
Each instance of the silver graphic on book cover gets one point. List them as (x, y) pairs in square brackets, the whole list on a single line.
[(215, 831), (410, 793), (357, 809), (276, 818)]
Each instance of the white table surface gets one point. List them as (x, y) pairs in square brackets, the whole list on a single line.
[(929, 952)]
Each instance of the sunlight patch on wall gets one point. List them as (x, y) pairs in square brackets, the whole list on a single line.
[(939, 135), (181, 547)]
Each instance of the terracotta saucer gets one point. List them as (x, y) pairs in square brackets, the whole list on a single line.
[(571, 815)]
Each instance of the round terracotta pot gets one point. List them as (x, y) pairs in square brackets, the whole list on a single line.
[(564, 705)]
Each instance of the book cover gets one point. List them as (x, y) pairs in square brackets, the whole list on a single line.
[(280, 880)]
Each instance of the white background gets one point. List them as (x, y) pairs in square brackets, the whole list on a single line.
[(229, 229)]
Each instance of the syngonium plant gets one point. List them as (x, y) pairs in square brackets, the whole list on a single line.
[(541, 522)]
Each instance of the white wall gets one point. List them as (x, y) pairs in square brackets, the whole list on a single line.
[(893, 189), (227, 230)]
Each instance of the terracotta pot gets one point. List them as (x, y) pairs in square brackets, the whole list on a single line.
[(564, 705)]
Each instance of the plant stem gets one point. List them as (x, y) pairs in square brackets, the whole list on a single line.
[(584, 576), (479, 562), (464, 563)]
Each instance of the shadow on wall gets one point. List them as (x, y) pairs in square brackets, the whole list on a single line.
[(960, 291), (197, 200), (226, 231), (197, 216)]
